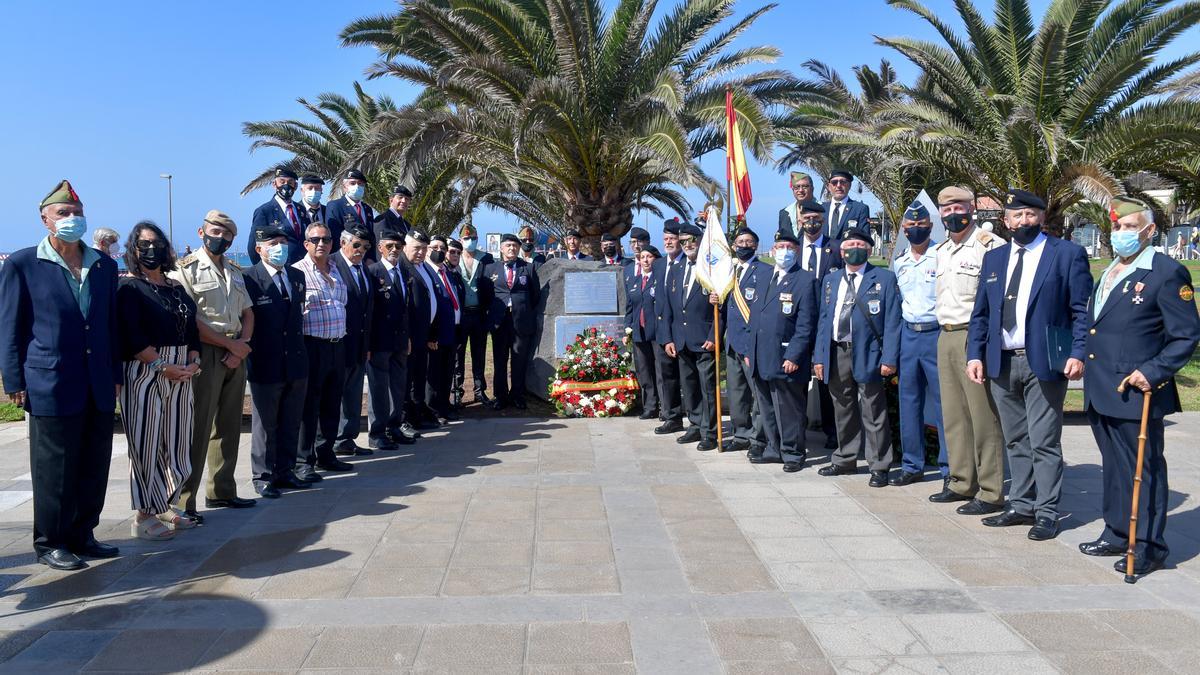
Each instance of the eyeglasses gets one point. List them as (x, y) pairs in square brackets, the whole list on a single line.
[(687, 240), (144, 245), (358, 245), (839, 181), (317, 241), (389, 247)]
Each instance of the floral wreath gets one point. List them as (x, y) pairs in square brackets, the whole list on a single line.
[(595, 378)]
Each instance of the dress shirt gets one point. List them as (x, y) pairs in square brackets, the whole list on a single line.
[(841, 300), (1033, 255), (325, 298), (809, 247), (917, 278), (427, 278)]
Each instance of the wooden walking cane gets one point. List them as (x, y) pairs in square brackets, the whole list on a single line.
[(1130, 577)]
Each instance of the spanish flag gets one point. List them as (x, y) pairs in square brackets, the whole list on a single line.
[(735, 163)]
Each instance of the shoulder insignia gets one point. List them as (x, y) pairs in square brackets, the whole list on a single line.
[(1186, 293), (234, 265), (188, 259), (985, 237)]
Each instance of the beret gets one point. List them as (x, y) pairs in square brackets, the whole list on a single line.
[(1023, 199), (508, 236), (653, 251), (310, 179), (572, 233), (419, 237), (1120, 207), (955, 193), (402, 190), (812, 206), (359, 232), (860, 234), (268, 233), (607, 237), (671, 226), (841, 173), (784, 235), (215, 217), (745, 230), (639, 234), (390, 235), (690, 229), (285, 173), (454, 244), (355, 174)]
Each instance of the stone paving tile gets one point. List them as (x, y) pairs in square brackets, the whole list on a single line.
[(386, 647), (145, 650), (990, 664), (894, 665), (964, 633), (797, 667), (254, 649), (865, 636), (451, 646), (487, 581), (579, 643), (591, 579), (1108, 663), (768, 639), (1066, 631), (309, 583), (1158, 629), (397, 582)]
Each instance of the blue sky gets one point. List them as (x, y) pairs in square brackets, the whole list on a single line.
[(110, 95)]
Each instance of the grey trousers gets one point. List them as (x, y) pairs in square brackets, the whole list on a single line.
[(744, 423), (784, 417), (1031, 413), (697, 373), (861, 412), (350, 423), (274, 428), (387, 380)]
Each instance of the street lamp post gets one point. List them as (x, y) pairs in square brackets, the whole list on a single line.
[(170, 208)]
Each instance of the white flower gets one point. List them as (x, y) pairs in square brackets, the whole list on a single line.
[(628, 330), (613, 391)]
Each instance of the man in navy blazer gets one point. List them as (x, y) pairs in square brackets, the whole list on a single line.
[(59, 362), (858, 345), (1028, 336), (351, 264), (1144, 328), (818, 255), (512, 320), (312, 211), (424, 329), (354, 188), (670, 395), (282, 213), (842, 212), (641, 324), (572, 243), (393, 220), (746, 426), (782, 330), (389, 346), (692, 334), (790, 215)]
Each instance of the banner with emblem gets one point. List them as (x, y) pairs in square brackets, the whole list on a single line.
[(714, 263)]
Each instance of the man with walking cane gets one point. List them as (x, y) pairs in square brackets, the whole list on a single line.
[(1144, 328)]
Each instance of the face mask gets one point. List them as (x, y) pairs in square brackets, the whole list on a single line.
[(918, 235), (855, 256), (356, 193), (277, 254), (114, 249), (1126, 243), (527, 247), (471, 245), (784, 258), (957, 222), (1025, 235), (814, 229), (285, 192), (70, 229), (150, 259), (436, 257), (312, 197), (744, 253), (609, 251), (216, 245)]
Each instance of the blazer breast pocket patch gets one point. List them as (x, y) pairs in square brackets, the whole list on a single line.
[(873, 306)]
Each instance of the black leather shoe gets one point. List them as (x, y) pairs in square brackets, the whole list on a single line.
[(482, 398), (1100, 548), (94, 549), (519, 404), (267, 491), (61, 559), (351, 450), (335, 465), (1140, 566), (499, 404), (293, 482), (199, 519), (692, 435), (385, 445), (648, 415), (878, 479), (234, 503), (837, 470), (426, 425), (706, 445), (1008, 519), (736, 445), (978, 508), (947, 496), (831, 443), (669, 427), (306, 473), (1044, 528), (792, 467), (756, 459), (907, 478)]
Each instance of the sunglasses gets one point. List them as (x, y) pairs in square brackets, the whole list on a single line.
[(687, 240), (839, 181), (144, 245), (389, 247), (317, 241), (357, 245)]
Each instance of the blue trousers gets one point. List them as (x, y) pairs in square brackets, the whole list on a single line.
[(1118, 441), (919, 392)]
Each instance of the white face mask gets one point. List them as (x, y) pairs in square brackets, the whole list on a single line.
[(312, 197), (114, 249)]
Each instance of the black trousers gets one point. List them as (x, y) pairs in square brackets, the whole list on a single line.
[(474, 333), (277, 410), (322, 400), (417, 405), (783, 407), (698, 373), (670, 400), (1118, 441), (508, 344), (828, 421), (68, 459), (644, 362), (440, 376), (387, 377)]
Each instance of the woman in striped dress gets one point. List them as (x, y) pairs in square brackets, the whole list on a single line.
[(160, 345)]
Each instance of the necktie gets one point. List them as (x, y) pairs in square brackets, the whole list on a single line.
[(844, 316), (1008, 312), (509, 274), (687, 280), (449, 288), (740, 269), (397, 280), (833, 221), (358, 278), (358, 209), (282, 284), (291, 214), (642, 311), (811, 265)]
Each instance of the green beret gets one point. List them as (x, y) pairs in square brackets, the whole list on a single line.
[(468, 231), (797, 176), (1120, 207), (63, 193)]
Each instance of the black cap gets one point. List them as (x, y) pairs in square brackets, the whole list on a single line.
[(508, 236), (860, 234), (607, 237), (784, 235), (691, 229), (454, 244), (390, 235), (745, 230), (653, 251), (812, 206), (310, 179), (355, 173), (1023, 199), (402, 190), (638, 234), (572, 233), (283, 172), (359, 232), (438, 237), (841, 173), (268, 233), (416, 236)]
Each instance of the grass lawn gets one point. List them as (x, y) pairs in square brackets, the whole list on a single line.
[(10, 412)]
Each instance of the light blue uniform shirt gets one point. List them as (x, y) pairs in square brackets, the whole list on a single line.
[(1144, 261), (918, 286), (79, 288)]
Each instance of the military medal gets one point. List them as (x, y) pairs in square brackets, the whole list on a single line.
[(873, 306), (749, 294), (1125, 288), (786, 300), (1137, 293)]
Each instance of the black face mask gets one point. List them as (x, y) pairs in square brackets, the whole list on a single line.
[(285, 192), (918, 235), (610, 251), (815, 229), (527, 247), (744, 253), (216, 245), (1026, 234), (437, 256), (957, 222), (150, 259)]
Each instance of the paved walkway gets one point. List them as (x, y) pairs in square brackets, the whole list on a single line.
[(552, 546)]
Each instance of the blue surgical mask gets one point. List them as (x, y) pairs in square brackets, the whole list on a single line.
[(277, 254), (356, 193), (312, 197), (70, 229), (471, 245), (784, 258), (1126, 242)]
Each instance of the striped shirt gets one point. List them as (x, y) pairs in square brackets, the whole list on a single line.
[(325, 299)]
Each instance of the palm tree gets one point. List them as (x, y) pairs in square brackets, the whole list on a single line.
[(1068, 109), (584, 114)]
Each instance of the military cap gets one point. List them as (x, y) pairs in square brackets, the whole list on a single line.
[(797, 176), (454, 244), (653, 251), (573, 233), (468, 231), (671, 226), (639, 234), (390, 235), (859, 234), (916, 211), (1023, 199), (784, 235), (690, 229), (745, 230), (954, 193), (419, 237), (62, 193), (812, 206), (1120, 207), (309, 179), (841, 173), (402, 190), (526, 231), (607, 237), (509, 237), (355, 174), (359, 232), (215, 217), (268, 233), (284, 172)]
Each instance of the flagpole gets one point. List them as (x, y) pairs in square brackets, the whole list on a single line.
[(717, 361)]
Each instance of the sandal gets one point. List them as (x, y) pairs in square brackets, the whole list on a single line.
[(176, 520), (151, 529)]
